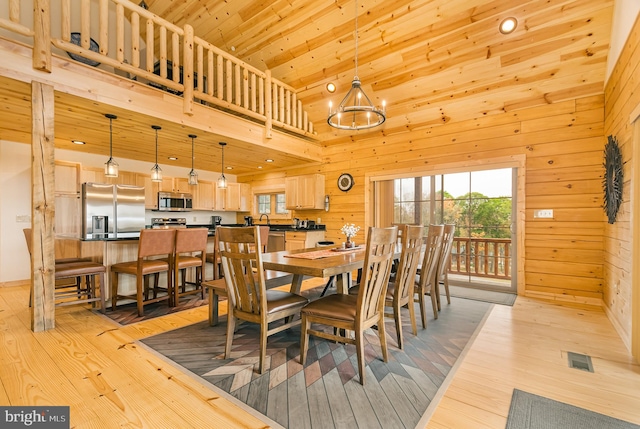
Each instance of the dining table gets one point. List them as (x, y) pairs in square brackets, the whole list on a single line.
[(317, 262), (321, 262)]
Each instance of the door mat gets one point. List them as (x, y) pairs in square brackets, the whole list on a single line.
[(529, 411), (128, 313), (481, 295)]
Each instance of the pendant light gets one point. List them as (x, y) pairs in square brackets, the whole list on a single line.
[(111, 166), (193, 176), (156, 171), (222, 181), (356, 111)]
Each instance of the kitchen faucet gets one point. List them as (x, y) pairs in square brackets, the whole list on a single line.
[(264, 214)]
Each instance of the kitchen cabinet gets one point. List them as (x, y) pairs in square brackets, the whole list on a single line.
[(67, 176), (235, 198), (294, 240), (204, 197), (304, 192), (182, 185), (68, 211)]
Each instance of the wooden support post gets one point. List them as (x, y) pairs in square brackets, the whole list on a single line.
[(42, 36), (42, 208)]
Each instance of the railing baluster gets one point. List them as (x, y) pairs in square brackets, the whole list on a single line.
[(120, 32), (135, 39)]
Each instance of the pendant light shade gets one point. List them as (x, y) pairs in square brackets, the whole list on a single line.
[(193, 176), (156, 171), (222, 181), (111, 166), (356, 111)]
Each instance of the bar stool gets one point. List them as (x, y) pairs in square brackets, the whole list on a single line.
[(75, 268), (153, 242), (189, 241)]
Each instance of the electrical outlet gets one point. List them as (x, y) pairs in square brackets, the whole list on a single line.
[(195, 218), (543, 214)]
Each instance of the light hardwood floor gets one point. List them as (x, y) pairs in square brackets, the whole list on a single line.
[(109, 380)]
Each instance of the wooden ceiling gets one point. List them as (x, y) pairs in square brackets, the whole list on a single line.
[(434, 61)]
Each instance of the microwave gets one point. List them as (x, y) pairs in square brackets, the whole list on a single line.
[(174, 202)]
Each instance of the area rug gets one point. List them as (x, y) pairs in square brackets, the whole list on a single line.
[(128, 313), (326, 392), (529, 411), (501, 298)]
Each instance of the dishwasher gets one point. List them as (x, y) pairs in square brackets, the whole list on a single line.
[(276, 241)]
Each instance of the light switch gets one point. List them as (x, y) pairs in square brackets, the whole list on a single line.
[(543, 214)]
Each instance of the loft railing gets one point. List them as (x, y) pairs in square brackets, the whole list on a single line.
[(140, 45), (482, 257)]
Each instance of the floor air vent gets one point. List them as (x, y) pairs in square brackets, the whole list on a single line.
[(580, 361)]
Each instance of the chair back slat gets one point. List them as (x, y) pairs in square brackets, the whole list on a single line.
[(433, 242), (444, 259), (238, 254), (412, 240), (378, 260)]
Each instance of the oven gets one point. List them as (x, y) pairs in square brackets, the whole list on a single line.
[(168, 222)]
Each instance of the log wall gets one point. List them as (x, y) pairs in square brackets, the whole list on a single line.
[(622, 95), (562, 144)]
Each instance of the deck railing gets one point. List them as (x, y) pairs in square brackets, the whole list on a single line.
[(482, 257), (152, 50)]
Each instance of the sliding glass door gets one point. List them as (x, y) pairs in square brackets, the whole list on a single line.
[(482, 206)]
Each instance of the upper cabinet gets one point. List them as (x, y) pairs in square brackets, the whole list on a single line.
[(204, 196), (67, 176), (305, 192), (235, 198)]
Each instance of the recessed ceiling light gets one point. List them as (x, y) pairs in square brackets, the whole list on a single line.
[(508, 25), (77, 142), (268, 160), (259, 167), (229, 167), (331, 87), (173, 158)]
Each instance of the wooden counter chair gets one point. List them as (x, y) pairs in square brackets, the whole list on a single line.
[(153, 242), (75, 269), (188, 242), (346, 312), (427, 278), (248, 297), (444, 262)]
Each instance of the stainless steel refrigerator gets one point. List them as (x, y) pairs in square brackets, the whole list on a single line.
[(112, 211)]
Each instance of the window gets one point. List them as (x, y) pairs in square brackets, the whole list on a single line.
[(272, 204)]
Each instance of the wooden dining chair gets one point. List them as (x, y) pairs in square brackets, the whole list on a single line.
[(346, 312), (248, 297), (400, 292), (444, 261), (424, 285), (188, 242), (152, 243)]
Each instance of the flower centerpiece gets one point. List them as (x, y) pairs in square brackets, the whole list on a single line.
[(350, 230)]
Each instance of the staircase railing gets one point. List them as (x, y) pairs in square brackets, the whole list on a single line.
[(135, 43)]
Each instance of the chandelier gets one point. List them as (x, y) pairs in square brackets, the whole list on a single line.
[(111, 166), (356, 111), (193, 176), (222, 181)]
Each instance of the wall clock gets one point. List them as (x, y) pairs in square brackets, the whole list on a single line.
[(613, 178), (345, 182), (93, 46)]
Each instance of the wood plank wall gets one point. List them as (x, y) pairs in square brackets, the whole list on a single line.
[(562, 144), (622, 95)]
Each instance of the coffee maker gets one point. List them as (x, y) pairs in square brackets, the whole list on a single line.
[(216, 220), (248, 221)]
